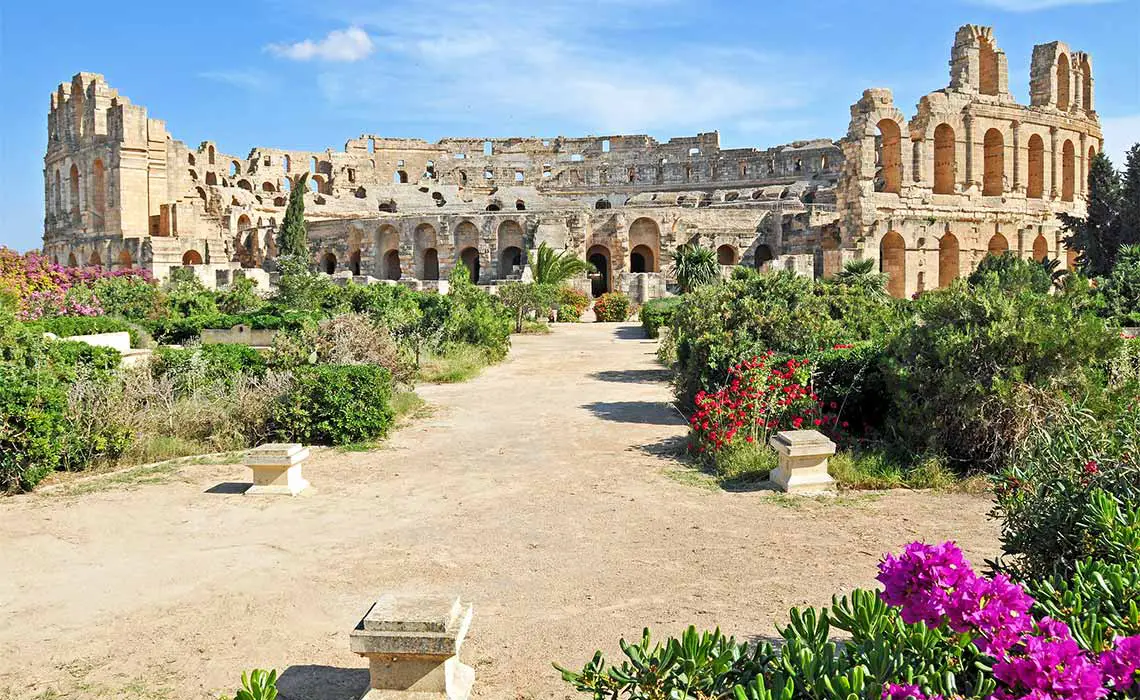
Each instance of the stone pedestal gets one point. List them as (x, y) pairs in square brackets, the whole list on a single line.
[(277, 469), (803, 461), (412, 645)]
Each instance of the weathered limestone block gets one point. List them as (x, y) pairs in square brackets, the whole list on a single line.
[(412, 645), (277, 469), (803, 461)]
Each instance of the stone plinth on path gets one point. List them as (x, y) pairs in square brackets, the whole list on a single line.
[(803, 461), (412, 645), (277, 469)]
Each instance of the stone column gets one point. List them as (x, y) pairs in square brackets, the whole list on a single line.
[(1054, 161), (1018, 185), (970, 179), (412, 645), (802, 461)]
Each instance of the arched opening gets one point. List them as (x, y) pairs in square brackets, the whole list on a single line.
[(279, 201), (644, 233), (520, 205), (201, 193), (997, 245), (988, 80), (1064, 78), (431, 264), (892, 262), (235, 169), (73, 180), (945, 159), (599, 257), (400, 177), (726, 255), (1035, 188), (470, 259), (328, 263), (95, 260), (993, 168), (211, 179), (948, 260), (71, 261), (312, 164), (354, 262), (210, 155), (1040, 248), (315, 185), (641, 259), (125, 261), (244, 185), (494, 206), (602, 204), (510, 260), (287, 162), (1068, 171), (1086, 84), (268, 187), (190, 159), (889, 157), (243, 222), (98, 193), (392, 269), (763, 258), (191, 257)]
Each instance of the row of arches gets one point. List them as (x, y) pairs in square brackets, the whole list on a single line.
[(96, 197), (1067, 75)]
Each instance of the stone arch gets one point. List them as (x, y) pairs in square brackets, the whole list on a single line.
[(1068, 171), (945, 159), (1035, 188), (726, 255), (211, 179), (190, 159), (286, 162), (354, 262), (993, 164), (762, 257), (430, 264), (317, 184), (1064, 79), (599, 257), (949, 260), (125, 262), (71, 261), (892, 262), (424, 239), (98, 193), (1086, 84), (469, 256), (1040, 248), (642, 259), (602, 204), (644, 232), (510, 238), (245, 185), (988, 67), (235, 169), (268, 186), (889, 157), (73, 182), (328, 263), (509, 259), (94, 260), (191, 257), (400, 177), (243, 223), (210, 155), (387, 241), (997, 245)]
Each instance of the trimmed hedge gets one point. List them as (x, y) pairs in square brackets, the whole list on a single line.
[(33, 426), (656, 313), (335, 405)]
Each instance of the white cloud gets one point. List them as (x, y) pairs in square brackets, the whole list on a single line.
[(344, 45), (595, 67), (1034, 5), (1120, 133)]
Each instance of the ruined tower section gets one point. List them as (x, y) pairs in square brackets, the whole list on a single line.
[(981, 174)]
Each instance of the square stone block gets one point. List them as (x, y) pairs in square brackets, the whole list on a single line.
[(277, 469), (803, 458)]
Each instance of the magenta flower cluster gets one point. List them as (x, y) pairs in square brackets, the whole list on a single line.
[(40, 286), (1036, 659)]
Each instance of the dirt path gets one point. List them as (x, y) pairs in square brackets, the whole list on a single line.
[(537, 491)]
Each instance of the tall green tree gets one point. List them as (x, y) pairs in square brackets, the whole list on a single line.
[(555, 268), (1098, 235), (1130, 198), (292, 237), (694, 266)]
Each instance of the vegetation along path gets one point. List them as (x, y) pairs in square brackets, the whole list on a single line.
[(544, 491)]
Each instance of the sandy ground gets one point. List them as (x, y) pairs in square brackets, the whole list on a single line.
[(540, 491)]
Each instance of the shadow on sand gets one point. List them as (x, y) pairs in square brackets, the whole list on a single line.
[(645, 412), (633, 376), (230, 488), (630, 333), (322, 683)]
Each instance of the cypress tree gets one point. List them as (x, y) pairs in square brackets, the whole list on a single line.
[(292, 237), (1130, 198), (1098, 235)]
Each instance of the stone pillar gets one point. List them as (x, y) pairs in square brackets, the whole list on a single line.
[(277, 469), (412, 645), (1054, 164), (803, 461), (971, 178), (1018, 185)]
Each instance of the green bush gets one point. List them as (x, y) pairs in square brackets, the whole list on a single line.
[(571, 304), (65, 326), (526, 298), (335, 405), (1121, 289), (131, 297), (33, 426), (849, 381), (981, 365), (1011, 273), (477, 318), (612, 306), (68, 357), (656, 313), (200, 364)]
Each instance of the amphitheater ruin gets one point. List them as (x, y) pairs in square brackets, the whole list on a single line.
[(971, 172)]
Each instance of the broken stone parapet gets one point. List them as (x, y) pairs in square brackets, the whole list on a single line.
[(412, 645), (803, 458), (277, 469)]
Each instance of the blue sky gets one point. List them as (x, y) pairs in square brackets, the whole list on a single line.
[(311, 74)]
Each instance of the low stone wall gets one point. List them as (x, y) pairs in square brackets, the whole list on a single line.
[(240, 334), (120, 341)]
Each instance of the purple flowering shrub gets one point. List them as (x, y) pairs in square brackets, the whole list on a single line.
[(42, 288)]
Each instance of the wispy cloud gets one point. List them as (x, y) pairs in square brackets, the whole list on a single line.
[(342, 45), (248, 79), (1035, 5)]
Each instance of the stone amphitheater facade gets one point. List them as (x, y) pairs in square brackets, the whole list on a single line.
[(971, 172)]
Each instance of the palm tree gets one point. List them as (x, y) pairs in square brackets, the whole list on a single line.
[(861, 274), (556, 268), (694, 266)]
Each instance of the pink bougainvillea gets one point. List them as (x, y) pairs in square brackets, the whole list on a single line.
[(40, 286)]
